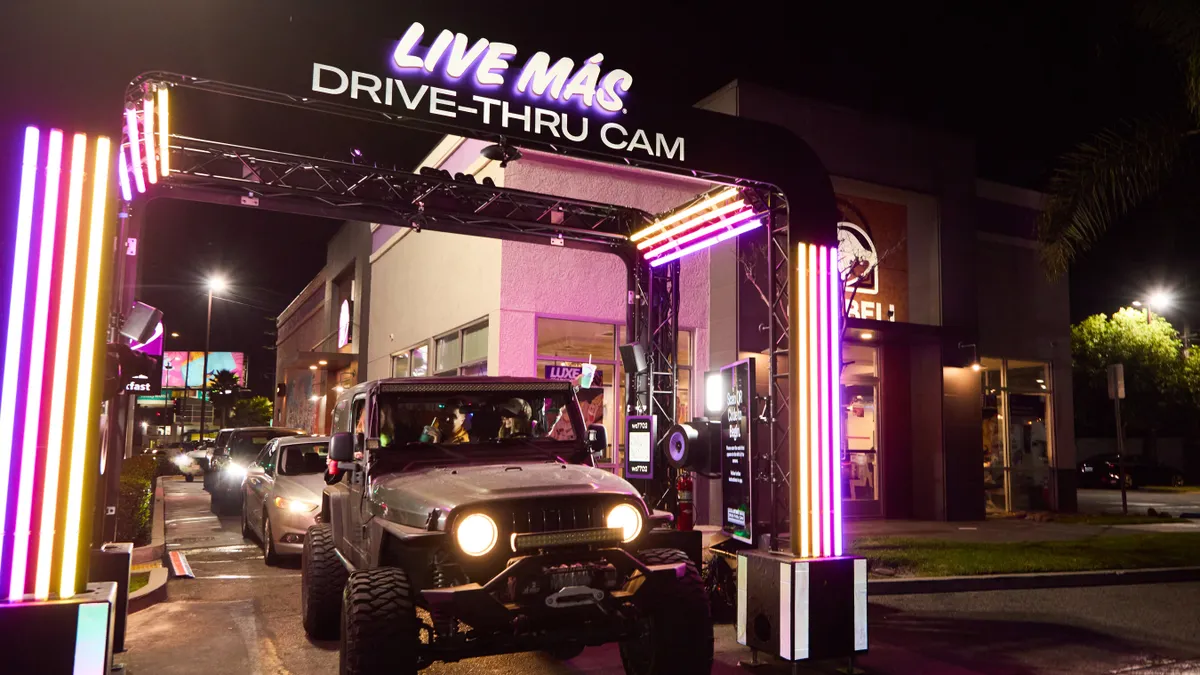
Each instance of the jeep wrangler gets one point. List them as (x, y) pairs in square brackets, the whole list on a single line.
[(466, 517)]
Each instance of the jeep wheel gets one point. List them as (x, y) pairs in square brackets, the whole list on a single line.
[(676, 631), (322, 579), (189, 478), (565, 652), (379, 624)]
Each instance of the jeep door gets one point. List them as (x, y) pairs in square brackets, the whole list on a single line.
[(353, 509)]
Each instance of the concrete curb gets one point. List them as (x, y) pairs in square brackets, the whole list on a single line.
[(1012, 582), (154, 592), (158, 532)]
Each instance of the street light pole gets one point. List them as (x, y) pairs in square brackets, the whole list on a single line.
[(204, 370)]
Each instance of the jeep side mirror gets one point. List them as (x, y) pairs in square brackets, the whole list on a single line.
[(597, 438), (341, 447)]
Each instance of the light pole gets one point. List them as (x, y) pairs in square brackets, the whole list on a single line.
[(215, 284)]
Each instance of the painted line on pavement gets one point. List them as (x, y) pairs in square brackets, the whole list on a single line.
[(1013, 582)]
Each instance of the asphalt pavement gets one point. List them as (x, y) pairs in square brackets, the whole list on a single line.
[(1109, 501), (240, 616)]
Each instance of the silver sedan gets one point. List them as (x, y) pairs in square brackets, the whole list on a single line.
[(282, 493)]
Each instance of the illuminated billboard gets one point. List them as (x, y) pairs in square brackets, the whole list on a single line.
[(183, 369)]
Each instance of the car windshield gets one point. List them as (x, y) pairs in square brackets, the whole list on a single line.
[(244, 446), (301, 459), (477, 417)]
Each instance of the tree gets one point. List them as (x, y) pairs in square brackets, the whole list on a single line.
[(252, 412), (1157, 382), (223, 389), (1106, 177)]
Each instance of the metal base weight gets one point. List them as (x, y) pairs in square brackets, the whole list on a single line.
[(60, 636)]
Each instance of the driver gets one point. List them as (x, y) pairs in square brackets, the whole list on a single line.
[(515, 415), (459, 423)]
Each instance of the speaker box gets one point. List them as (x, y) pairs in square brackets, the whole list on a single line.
[(633, 358), (802, 608), (140, 323)]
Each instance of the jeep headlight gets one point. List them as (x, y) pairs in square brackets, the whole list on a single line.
[(476, 534), (236, 470), (627, 518)]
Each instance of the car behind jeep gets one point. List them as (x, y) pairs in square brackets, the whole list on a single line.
[(465, 517)]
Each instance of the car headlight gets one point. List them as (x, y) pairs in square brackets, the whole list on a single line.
[(476, 534), (235, 470), (627, 518), (182, 460), (295, 505)]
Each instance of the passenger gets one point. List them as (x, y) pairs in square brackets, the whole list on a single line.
[(515, 416), (460, 426)]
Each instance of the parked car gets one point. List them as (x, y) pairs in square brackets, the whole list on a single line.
[(227, 468), (1102, 471), (476, 501), (205, 452), (282, 493)]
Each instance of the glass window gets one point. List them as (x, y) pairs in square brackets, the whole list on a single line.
[(1016, 434), (448, 354), (475, 343), (302, 459), (419, 366), (860, 463), (400, 363), (860, 360), (683, 407), (576, 339), (1028, 376), (684, 355), (266, 459)]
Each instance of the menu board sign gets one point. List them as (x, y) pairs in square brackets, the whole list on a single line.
[(639, 446), (737, 478)]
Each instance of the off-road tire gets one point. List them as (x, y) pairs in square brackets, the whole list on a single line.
[(270, 555), (322, 580), (565, 652), (379, 624), (679, 637), (191, 478)]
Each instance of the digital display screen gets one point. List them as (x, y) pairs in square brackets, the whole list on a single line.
[(184, 369), (639, 446), (737, 477)]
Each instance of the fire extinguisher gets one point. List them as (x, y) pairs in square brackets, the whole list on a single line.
[(687, 507)]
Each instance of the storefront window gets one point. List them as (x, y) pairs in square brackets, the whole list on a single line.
[(685, 358), (410, 362), (400, 364), (448, 354), (463, 352), (571, 344), (860, 422), (577, 340), (420, 361), (1016, 434)]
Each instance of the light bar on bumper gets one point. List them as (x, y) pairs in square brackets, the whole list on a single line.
[(533, 541)]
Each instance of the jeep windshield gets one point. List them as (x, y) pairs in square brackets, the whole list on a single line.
[(529, 419)]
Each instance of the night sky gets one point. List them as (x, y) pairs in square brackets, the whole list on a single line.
[(1025, 79)]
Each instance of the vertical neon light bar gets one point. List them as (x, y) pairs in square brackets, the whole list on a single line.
[(825, 507), (135, 152), (13, 358), (57, 419), (814, 425), (123, 174), (87, 354), (164, 134), (148, 137), (37, 369), (835, 393), (799, 346)]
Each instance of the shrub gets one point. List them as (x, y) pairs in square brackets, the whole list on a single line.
[(135, 502)]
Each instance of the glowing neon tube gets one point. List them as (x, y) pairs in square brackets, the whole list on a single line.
[(13, 356), (799, 345), (123, 174), (696, 234), (835, 393), (135, 152), (684, 227), (676, 217), (164, 134), (37, 369), (56, 420), (814, 427), (148, 137), (88, 335), (752, 225), (826, 507)]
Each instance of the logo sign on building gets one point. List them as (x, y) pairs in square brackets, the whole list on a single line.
[(450, 77), (144, 384), (639, 446), (873, 258), (345, 325), (570, 373), (737, 432)]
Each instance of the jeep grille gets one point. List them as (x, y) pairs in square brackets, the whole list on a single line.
[(553, 515)]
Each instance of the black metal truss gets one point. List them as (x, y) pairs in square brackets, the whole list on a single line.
[(774, 462)]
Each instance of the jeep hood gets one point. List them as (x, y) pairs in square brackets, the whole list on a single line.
[(411, 496)]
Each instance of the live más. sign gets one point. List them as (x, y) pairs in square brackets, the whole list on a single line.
[(484, 66)]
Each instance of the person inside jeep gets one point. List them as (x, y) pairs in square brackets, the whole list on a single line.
[(458, 421), (515, 415)]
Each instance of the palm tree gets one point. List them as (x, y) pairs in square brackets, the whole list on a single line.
[(1106, 177), (223, 389)]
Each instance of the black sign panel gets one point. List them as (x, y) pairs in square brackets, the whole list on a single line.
[(639, 446), (737, 479)]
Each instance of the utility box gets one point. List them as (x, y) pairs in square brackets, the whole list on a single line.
[(802, 608), (60, 636), (113, 562)]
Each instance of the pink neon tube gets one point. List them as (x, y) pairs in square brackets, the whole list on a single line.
[(135, 151), (698, 220), (835, 392), (727, 234), (814, 426), (123, 175), (826, 412), (696, 234), (37, 369), (800, 341), (148, 137), (16, 319)]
